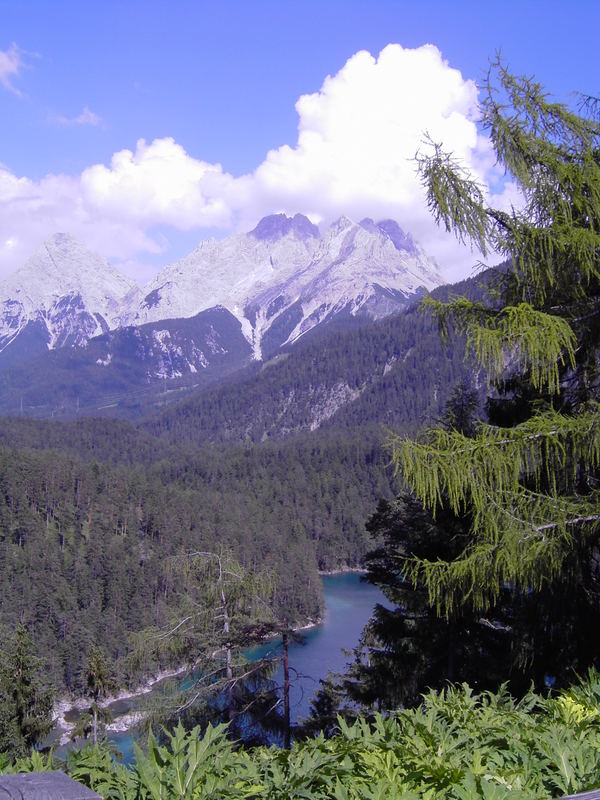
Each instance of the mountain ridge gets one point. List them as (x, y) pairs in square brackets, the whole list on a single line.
[(279, 280)]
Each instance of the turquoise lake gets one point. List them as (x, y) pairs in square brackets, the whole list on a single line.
[(348, 606)]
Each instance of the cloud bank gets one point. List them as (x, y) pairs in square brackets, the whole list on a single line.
[(357, 138)]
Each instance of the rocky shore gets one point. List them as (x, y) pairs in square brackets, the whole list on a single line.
[(123, 722)]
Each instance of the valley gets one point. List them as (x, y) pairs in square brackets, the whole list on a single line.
[(299, 401), (279, 461)]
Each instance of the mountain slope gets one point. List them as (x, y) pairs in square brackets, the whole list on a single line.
[(125, 369), (64, 293), (284, 278), (392, 372)]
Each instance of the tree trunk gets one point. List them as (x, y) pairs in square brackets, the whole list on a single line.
[(286, 693), (95, 724), (228, 667)]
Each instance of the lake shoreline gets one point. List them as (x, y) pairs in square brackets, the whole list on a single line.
[(64, 705), (123, 722), (126, 721), (343, 571), (347, 607)]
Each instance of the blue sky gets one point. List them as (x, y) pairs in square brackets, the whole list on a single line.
[(207, 84)]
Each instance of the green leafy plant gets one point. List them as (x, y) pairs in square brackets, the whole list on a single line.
[(458, 745)]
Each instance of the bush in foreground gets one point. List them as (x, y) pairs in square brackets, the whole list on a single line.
[(456, 745)]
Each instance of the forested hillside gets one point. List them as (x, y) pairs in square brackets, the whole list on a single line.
[(393, 372), (86, 547), (122, 373)]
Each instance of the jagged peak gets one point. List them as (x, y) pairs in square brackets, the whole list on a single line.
[(64, 277), (62, 238), (276, 226), (400, 240), (68, 260), (72, 252), (342, 223), (70, 247), (368, 224)]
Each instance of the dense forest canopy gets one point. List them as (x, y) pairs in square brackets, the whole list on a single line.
[(84, 546)]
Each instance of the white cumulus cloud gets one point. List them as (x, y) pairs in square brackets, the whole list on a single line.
[(159, 183), (354, 155), (31, 211)]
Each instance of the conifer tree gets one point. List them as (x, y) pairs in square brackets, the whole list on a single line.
[(99, 683), (226, 610), (530, 483), (25, 704)]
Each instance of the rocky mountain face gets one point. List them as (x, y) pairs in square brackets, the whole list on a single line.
[(62, 296), (284, 278), (174, 348), (264, 289)]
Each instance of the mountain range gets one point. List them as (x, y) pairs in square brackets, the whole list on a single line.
[(265, 289)]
